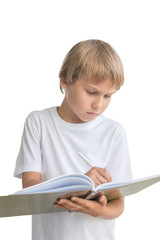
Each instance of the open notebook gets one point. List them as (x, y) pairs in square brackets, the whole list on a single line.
[(39, 198)]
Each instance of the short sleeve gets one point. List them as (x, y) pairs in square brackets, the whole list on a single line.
[(119, 164), (29, 157)]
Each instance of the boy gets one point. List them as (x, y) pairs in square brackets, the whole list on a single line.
[(90, 74)]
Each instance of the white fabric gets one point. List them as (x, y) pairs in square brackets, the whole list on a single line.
[(50, 146)]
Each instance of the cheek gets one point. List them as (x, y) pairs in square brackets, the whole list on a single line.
[(76, 100), (81, 101), (106, 103)]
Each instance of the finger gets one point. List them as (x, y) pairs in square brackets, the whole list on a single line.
[(100, 179), (102, 200), (99, 175), (104, 173), (69, 205), (84, 203), (88, 206), (97, 180), (60, 206)]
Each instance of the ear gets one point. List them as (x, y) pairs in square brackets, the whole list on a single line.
[(63, 83)]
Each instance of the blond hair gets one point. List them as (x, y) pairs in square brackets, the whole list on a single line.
[(94, 59)]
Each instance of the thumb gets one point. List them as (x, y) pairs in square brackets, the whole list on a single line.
[(102, 200)]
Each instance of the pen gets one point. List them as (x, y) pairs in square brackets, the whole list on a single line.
[(85, 159)]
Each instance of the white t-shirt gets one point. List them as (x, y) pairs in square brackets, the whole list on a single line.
[(50, 146)]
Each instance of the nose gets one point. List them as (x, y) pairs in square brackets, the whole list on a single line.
[(98, 103)]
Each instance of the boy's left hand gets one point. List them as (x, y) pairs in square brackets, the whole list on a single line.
[(94, 208)]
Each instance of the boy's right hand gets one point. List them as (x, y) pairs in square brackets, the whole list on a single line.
[(99, 175)]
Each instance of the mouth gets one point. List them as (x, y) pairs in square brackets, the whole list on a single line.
[(92, 114)]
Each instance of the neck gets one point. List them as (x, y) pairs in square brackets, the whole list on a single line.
[(66, 113)]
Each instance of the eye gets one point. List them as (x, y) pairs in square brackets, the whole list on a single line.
[(107, 96), (91, 93)]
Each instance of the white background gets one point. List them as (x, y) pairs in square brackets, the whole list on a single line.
[(34, 38)]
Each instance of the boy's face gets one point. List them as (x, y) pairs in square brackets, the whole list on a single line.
[(85, 100)]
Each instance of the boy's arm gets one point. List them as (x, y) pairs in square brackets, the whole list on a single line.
[(30, 179), (114, 208)]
